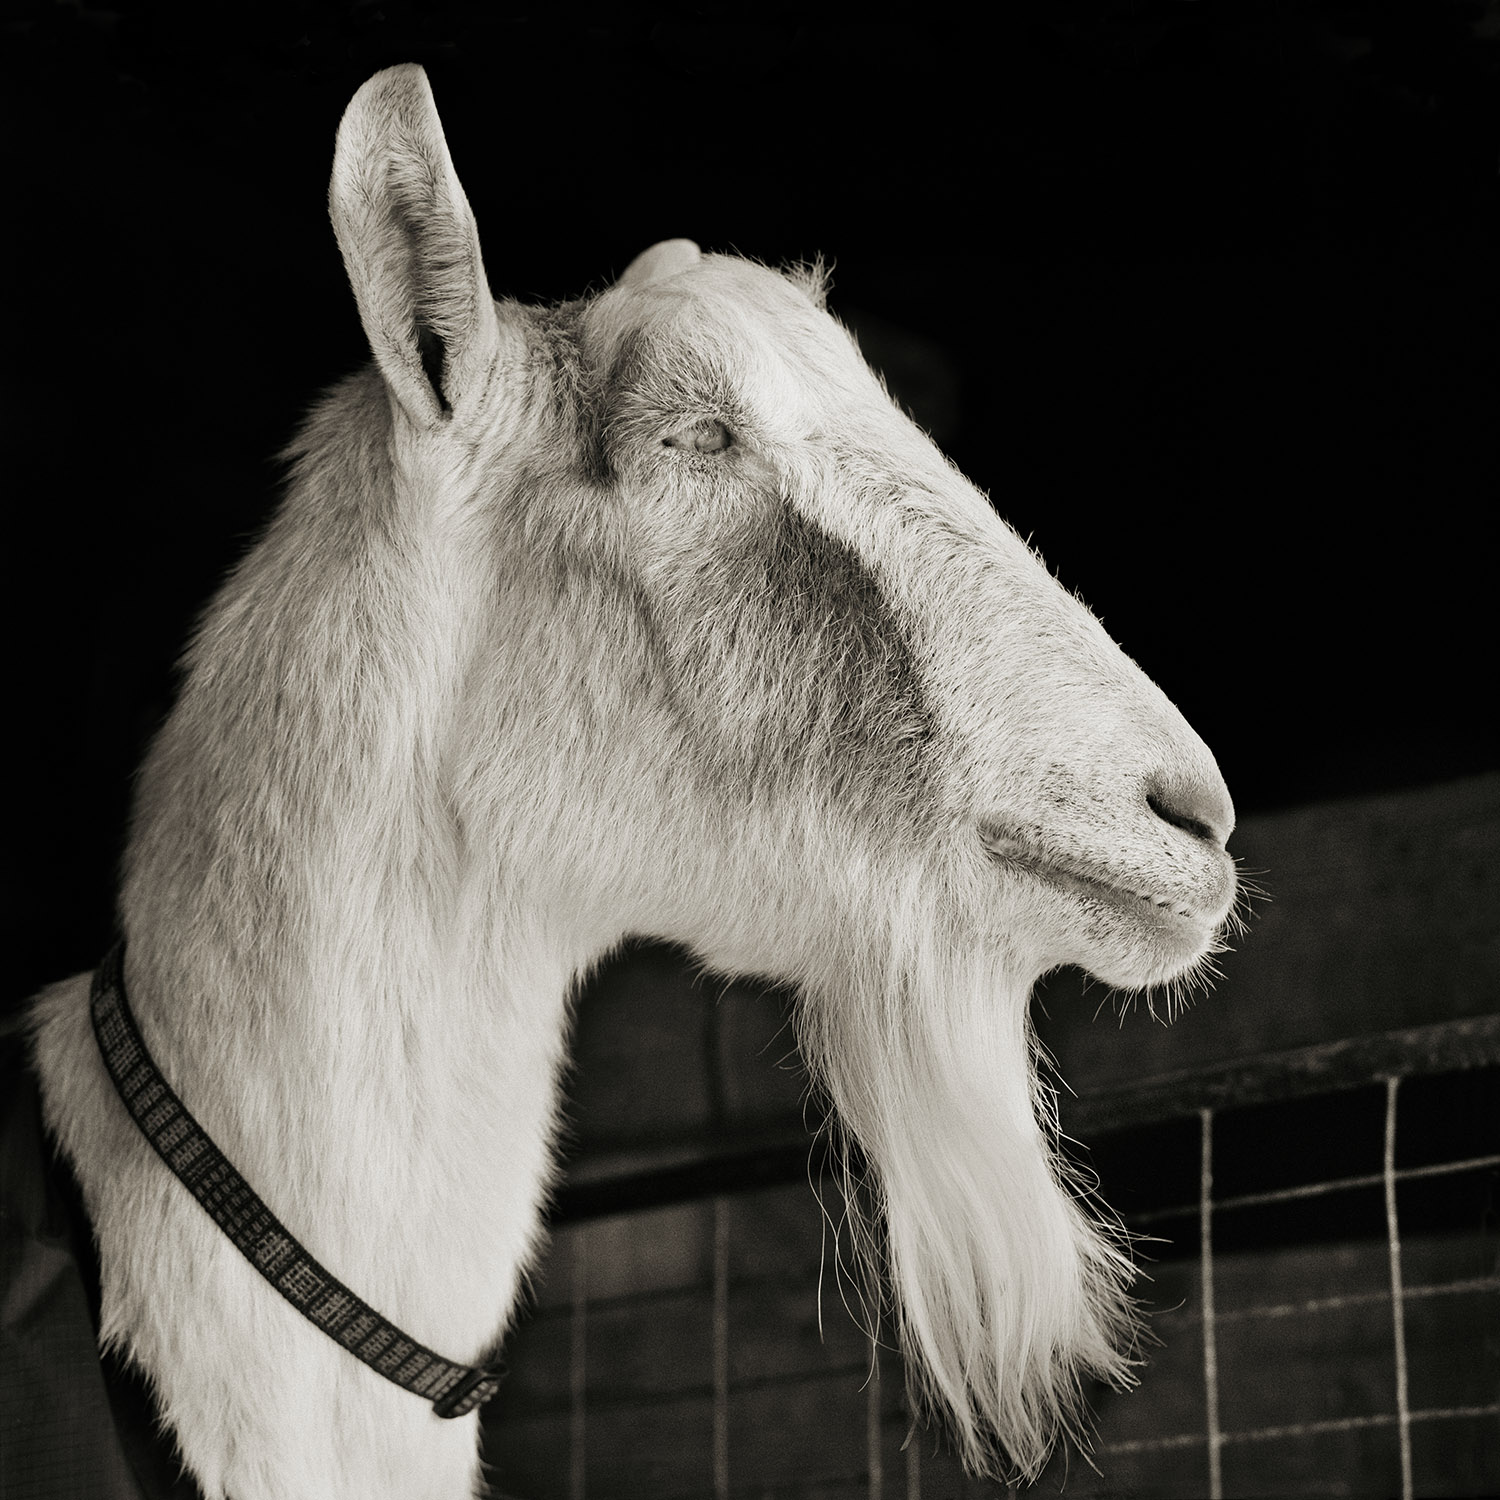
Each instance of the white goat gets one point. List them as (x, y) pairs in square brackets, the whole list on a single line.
[(645, 614)]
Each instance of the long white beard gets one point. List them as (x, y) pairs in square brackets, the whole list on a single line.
[(1006, 1293)]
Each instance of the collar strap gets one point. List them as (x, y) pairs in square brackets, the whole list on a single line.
[(257, 1233)]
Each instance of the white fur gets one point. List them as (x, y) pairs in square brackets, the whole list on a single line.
[(653, 615)]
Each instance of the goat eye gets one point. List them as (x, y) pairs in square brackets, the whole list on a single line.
[(708, 436)]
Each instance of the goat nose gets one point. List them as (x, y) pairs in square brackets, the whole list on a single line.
[(1197, 804)]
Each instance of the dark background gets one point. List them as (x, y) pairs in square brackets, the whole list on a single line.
[(1205, 296)]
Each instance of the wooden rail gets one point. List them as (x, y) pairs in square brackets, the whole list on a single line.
[(604, 1185)]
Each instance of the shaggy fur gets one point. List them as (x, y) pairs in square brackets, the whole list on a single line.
[(647, 614)]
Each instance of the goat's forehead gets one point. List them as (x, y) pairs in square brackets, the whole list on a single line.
[(727, 310)]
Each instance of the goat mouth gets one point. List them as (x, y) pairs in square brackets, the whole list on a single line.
[(1083, 879)]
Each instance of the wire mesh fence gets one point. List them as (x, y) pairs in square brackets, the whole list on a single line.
[(1319, 1229)]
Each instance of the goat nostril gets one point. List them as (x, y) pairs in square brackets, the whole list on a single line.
[(1184, 821), (1201, 809)]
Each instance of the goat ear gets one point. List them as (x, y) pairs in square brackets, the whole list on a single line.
[(411, 248)]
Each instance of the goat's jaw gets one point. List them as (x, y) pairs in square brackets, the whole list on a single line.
[(1141, 926)]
